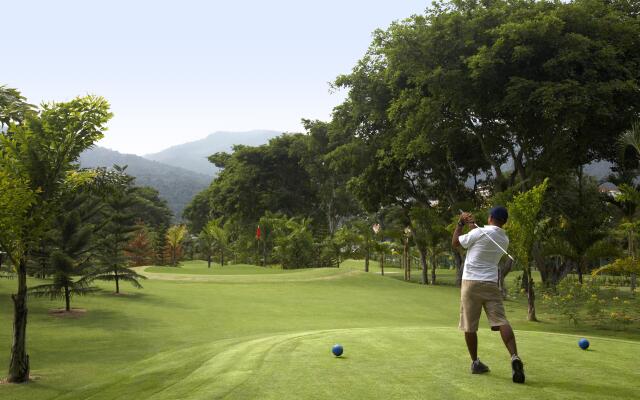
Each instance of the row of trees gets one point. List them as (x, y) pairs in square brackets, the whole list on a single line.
[(472, 104)]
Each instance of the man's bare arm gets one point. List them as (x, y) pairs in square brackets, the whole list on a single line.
[(465, 218)]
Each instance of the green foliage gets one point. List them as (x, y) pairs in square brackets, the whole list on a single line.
[(215, 238), (13, 107), (159, 243), (117, 233), (175, 236), (589, 303), (36, 165), (38, 150), (71, 255), (198, 211), (571, 299), (356, 239), (622, 266), (294, 244), (16, 199), (257, 179), (152, 210), (630, 138), (524, 225)]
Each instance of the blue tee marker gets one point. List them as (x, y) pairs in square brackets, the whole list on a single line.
[(583, 343), (337, 350)]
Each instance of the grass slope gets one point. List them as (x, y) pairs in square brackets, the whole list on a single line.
[(247, 333)]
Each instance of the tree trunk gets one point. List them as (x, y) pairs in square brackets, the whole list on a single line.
[(222, 258), (503, 271), (531, 297), (264, 251), (209, 261), (405, 261), (366, 261), (19, 365), (423, 261), (632, 253), (382, 264), (117, 282), (433, 269), (459, 260), (67, 298), (579, 266)]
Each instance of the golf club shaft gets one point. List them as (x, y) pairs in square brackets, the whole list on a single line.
[(494, 242)]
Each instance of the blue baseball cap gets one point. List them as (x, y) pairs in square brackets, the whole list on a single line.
[(499, 213)]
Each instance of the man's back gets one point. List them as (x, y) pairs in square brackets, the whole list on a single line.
[(482, 258)]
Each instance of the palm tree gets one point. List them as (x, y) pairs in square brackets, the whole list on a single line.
[(175, 236), (630, 138), (72, 253), (208, 240)]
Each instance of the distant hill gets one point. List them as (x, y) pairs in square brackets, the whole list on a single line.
[(599, 169), (193, 155), (176, 185)]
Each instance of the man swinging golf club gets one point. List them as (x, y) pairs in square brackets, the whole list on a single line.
[(485, 246)]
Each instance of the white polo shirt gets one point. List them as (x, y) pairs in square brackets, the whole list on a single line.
[(481, 263)]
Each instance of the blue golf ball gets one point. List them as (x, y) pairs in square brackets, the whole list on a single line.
[(337, 350), (583, 343)]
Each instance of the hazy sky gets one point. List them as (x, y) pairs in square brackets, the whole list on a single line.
[(175, 71)]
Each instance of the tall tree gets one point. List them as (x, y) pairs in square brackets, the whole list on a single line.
[(38, 151), (149, 208), (584, 221), (454, 94), (629, 199), (525, 229), (254, 180), (431, 238), (119, 229), (628, 202), (71, 255)]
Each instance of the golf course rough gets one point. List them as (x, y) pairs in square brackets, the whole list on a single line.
[(268, 340)]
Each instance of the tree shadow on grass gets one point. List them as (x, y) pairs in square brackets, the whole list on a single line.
[(140, 297)]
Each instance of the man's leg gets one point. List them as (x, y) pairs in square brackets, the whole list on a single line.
[(472, 344), (509, 339), (470, 310)]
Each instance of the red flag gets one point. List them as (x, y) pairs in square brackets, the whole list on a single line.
[(258, 233)]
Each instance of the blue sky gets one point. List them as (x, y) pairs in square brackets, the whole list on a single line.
[(177, 71)]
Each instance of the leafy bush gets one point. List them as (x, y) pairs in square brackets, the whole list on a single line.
[(294, 245), (591, 303), (571, 297)]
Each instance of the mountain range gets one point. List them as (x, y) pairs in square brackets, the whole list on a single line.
[(193, 155), (179, 172)]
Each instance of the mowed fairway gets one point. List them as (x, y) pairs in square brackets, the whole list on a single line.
[(241, 332)]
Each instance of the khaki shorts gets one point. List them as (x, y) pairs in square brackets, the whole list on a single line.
[(474, 295)]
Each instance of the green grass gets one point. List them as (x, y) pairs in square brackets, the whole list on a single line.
[(244, 332)]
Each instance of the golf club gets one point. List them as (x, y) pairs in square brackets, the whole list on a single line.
[(494, 242)]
